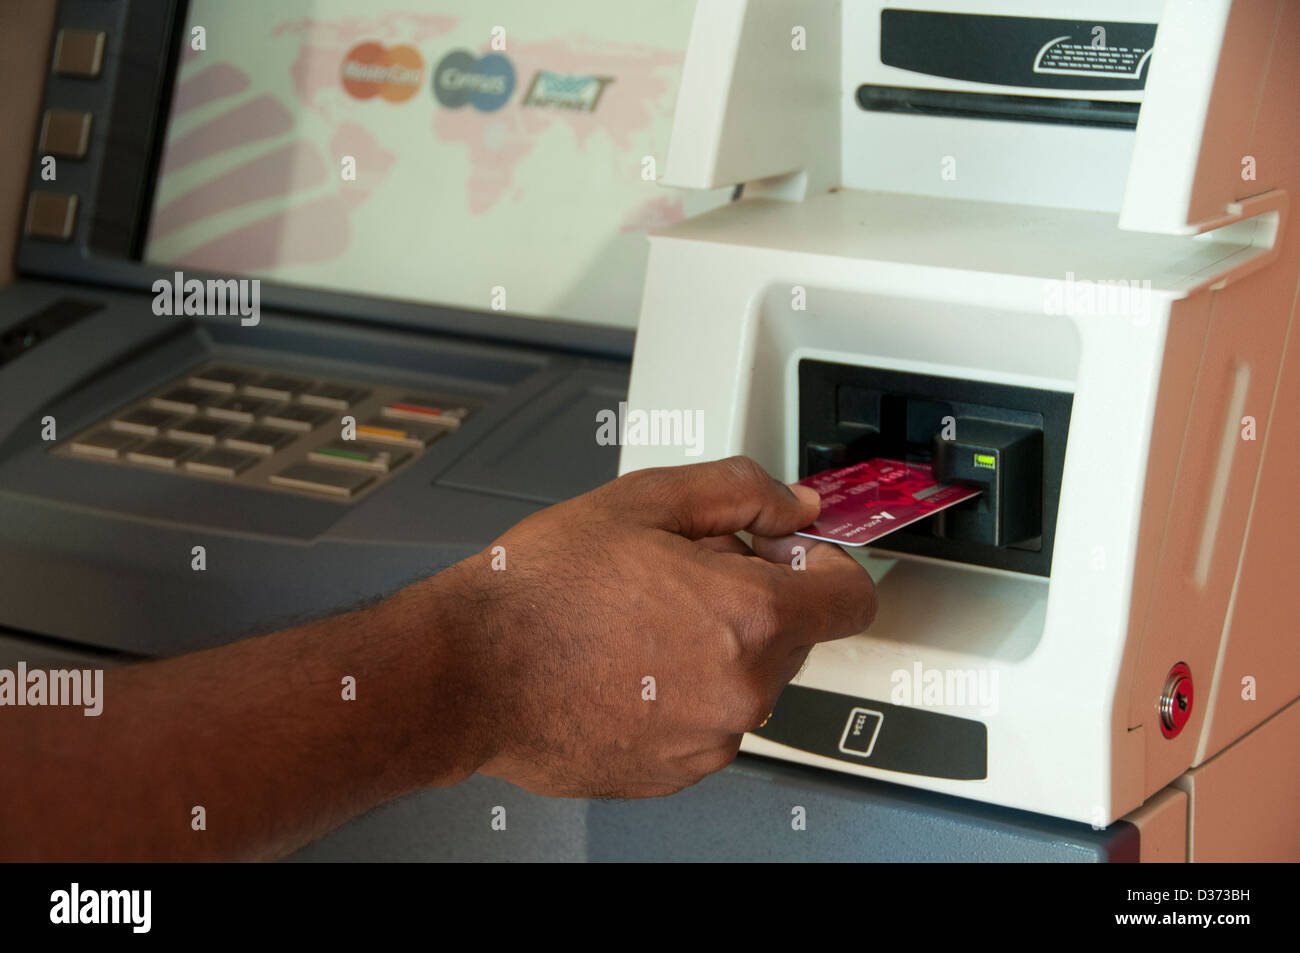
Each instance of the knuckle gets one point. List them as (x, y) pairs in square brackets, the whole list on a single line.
[(744, 471), (764, 609), (750, 618), (658, 487), (735, 645), (641, 482)]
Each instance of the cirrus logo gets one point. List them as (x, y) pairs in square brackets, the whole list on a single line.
[(484, 82)]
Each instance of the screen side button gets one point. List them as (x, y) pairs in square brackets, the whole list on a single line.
[(51, 215), (79, 53), (66, 132)]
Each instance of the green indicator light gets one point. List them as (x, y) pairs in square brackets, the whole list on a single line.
[(986, 460), (346, 455)]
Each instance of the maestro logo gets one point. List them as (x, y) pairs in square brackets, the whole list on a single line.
[(484, 82), (393, 73)]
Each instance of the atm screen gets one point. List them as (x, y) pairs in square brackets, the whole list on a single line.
[(493, 157)]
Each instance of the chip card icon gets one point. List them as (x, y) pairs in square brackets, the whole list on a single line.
[(861, 731)]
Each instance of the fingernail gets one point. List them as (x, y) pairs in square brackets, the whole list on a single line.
[(806, 494)]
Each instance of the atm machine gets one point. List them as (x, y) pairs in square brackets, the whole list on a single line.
[(241, 219), (1047, 255)]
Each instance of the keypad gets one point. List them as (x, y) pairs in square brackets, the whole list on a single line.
[(242, 410), (352, 453), (223, 380), (280, 387), (334, 396), (277, 431), (402, 433), (259, 440), (144, 421), (321, 479), (161, 453), (104, 443), (224, 463), (302, 419), (201, 430), (181, 400)]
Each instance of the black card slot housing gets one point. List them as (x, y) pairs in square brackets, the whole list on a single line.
[(849, 413)]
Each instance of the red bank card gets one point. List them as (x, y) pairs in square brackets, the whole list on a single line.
[(869, 500)]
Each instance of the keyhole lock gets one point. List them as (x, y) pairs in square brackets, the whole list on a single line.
[(1176, 700)]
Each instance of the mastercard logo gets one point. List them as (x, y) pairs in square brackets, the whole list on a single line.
[(392, 73)]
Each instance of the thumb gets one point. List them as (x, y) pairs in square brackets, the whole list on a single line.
[(718, 498)]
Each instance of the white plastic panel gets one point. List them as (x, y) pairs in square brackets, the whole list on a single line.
[(751, 105), (1199, 115)]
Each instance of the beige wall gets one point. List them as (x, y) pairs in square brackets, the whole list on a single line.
[(24, 59)]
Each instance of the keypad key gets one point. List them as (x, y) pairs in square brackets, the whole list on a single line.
[(144, 421), (201, 430), (225, 463), (161, 453), (279, 387), (223, 380), (263, 440), (303, 419), (350, 453), (181, 400), (335, 481), (403, 434), (104, 443), (242, 410), (416, 408), (334, 396)]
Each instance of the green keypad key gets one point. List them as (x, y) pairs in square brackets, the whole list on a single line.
[(348, 453)]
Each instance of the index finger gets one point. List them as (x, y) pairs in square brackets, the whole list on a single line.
[(717, 498)]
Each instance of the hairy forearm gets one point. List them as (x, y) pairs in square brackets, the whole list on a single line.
[(250, 750)]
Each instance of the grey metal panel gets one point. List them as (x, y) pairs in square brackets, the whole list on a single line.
[(745, 814), (542, 451), (455, 824), (742, 813)]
